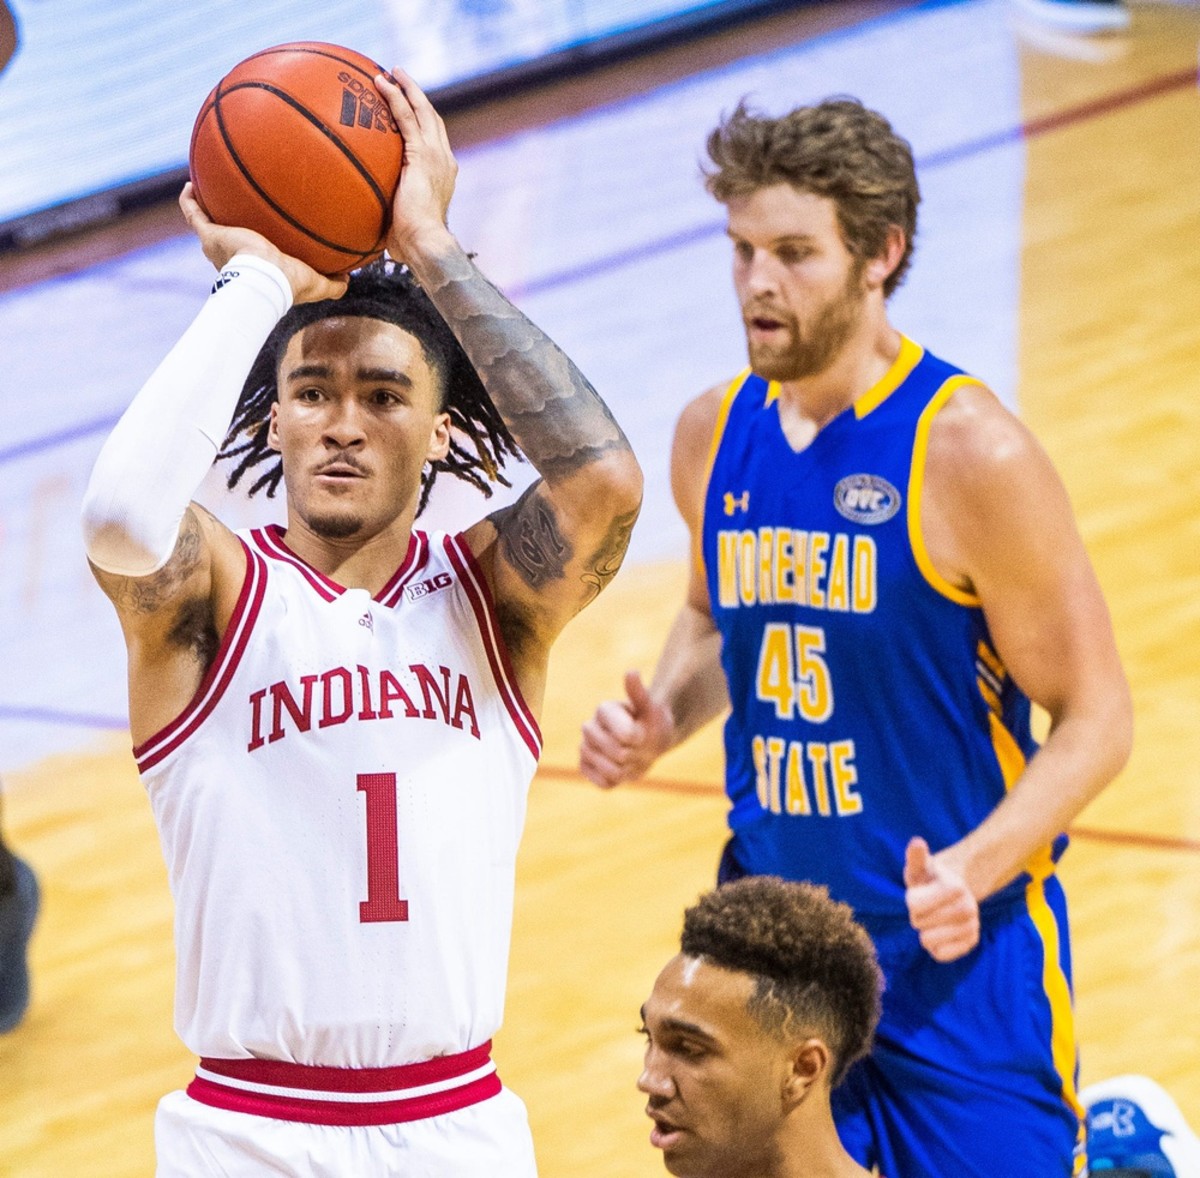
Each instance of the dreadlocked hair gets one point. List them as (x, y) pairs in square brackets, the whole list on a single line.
[(479, 440)]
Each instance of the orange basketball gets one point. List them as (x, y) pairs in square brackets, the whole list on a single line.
[(296, 143)]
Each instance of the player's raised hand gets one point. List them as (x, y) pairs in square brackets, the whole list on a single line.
[(429, 170), (941, 906), (625, 737), (221, 242)]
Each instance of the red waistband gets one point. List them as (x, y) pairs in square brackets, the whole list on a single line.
[(347, 1096)]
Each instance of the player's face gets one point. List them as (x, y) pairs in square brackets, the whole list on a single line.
[(800, 289), (357, 419), (713, 1076)]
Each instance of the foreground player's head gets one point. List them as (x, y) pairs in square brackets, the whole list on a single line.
[(774, 994), (385, 293), (837, 149)]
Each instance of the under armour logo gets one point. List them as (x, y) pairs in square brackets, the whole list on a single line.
[(367, 620), (1119, 1120), (739, 503)]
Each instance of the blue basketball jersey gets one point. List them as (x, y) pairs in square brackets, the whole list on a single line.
[(869, 702)]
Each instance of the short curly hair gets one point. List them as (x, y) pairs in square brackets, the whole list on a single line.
[(814, 967), (838, 149), (480, 441)]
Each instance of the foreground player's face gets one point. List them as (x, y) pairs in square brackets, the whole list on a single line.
[(358, 416), (800, 289), (715, 1079)]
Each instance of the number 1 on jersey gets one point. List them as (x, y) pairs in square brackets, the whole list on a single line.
[(383, 901)]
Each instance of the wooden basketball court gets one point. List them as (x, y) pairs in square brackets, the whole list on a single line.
[(1100, 247)]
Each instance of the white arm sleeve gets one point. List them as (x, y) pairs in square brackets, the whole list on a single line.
[(162, 447)]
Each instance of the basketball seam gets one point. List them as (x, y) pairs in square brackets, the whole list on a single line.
[(320, 126)]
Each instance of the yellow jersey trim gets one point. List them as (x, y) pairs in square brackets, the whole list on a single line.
[(916, 484), (1054, 980), (909, 357), (718, 433)]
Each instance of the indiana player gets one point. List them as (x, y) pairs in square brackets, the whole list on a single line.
[(336, 723), (886, 572)]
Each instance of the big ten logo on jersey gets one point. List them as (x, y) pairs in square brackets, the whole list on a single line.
[(767, 566), (428, 586), (801, 777), (362, 105), (339, 695)]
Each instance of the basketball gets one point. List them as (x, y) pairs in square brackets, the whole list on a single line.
[(297, 144)]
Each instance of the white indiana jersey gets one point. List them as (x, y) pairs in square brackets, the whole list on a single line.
[(340, 807)]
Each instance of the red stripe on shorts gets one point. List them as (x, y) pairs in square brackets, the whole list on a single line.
[(345, 1096)]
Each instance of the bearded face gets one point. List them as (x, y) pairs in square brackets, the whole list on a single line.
[(801, 291)]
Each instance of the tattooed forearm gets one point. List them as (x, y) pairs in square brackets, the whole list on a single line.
[(556, 416), (146, 595), (607, 558), (531, 539)]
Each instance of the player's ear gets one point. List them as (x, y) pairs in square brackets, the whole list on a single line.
[(273, 427), (879, 268), (811, 1060), (439, 438)]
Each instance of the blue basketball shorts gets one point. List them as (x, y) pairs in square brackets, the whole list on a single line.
[(974, 1069)]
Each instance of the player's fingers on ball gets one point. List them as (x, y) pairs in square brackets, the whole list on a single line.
[(335, 288), (417, 99), (192, 212), (396, 98)]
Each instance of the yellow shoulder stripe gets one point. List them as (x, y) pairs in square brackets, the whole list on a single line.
[(718, 433), (909, 357), (916, 484)]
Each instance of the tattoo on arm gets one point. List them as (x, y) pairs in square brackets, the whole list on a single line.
[(556, 416), (531, 539), (146, 595), (607, 558)]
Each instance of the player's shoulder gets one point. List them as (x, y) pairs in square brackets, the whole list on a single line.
[(698, 420), (694, 434), (976, 440)]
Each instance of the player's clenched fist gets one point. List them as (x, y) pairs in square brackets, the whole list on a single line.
[(941, 906), (625, 737)]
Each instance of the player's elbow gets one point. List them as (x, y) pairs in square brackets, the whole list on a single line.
[(119, 535), (1109, 726), (1116, 724), (604, 495), (621, 485)]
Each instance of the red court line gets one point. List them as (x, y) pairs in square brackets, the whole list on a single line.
[(1110, 102), (655, 784), (1095, 834), (1130, 838)]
